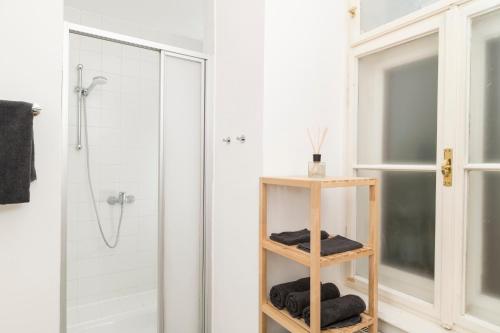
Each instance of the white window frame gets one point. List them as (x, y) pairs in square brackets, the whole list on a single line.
[(358, 37), (451, 18), (418, 30), (465, 321)]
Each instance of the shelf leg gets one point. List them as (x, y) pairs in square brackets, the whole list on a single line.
[(315, 269), (263, 257), (373, 261)]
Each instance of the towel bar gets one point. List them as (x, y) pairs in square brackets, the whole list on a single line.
[(36, 109)]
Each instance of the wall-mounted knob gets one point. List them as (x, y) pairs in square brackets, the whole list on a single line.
[(226, 140), (242, 138)]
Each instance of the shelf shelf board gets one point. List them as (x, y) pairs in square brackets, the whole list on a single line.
[(302, 257), (326, 182), (299, 326)]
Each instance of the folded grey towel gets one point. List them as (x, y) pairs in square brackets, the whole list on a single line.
[(17, 152), (336, 311), (297, 301), (295, 237), (279, 292), (337, 244)]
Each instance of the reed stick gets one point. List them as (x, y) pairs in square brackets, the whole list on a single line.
[(325, 131), (316, 146), (311, 140)]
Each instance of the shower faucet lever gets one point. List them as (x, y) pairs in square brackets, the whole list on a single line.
[(120, 199), (129, 199)]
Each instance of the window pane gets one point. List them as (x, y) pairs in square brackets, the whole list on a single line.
[(483, 247), (485, 87), (375, 13), (397, 117), (408, 204)]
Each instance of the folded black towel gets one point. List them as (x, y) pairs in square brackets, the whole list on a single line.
[(297, 301), (17, 152), (334, 311), (295, 237), (279, 292), (337, 244), (345, 323)]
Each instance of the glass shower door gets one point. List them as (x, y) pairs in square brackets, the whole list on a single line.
[(113, 187), (184, 121)]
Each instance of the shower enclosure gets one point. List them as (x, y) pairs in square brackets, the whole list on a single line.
[(134, 187)]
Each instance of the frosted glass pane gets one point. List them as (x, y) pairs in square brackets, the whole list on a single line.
[(184, 121), (485, 90), (407, 231), (483, 247), (397, 104), (375, 13)]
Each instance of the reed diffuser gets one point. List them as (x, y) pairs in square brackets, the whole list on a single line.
[(316, 168)]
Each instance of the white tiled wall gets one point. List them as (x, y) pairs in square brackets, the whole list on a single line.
[(123, 137), (95, 20)]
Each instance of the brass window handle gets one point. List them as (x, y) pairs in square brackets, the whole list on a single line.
[(353, 10), (447, 167)]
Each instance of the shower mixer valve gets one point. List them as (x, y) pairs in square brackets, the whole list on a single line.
[(120, 199)]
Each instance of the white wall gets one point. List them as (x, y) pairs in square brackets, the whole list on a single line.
[(305, 83), (30, 244), (239, 79), (304, 51), (305, 86)]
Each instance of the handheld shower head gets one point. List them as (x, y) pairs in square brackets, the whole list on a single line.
[(95, 81)]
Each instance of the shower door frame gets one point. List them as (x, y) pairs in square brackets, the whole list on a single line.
[(163, 50)]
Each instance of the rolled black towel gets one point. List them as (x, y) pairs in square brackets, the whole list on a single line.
[(337, 310), (297, 301), (337, 244), (279, 292), (295, 237)]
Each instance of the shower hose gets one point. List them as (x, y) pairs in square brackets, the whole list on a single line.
[(109, 244)]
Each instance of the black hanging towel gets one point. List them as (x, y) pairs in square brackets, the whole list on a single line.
[(17, 152)]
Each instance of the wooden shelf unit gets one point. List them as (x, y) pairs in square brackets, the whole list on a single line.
[(314, 260), (299, 326)]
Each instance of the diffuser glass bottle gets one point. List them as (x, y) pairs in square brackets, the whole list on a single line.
[(316, 168)]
